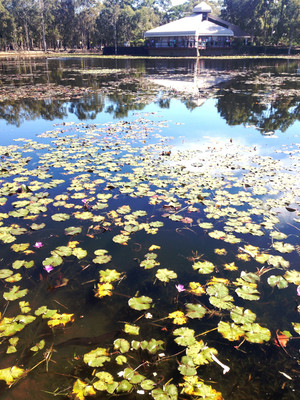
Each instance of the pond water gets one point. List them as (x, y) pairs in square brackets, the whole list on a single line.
[(149, 228)]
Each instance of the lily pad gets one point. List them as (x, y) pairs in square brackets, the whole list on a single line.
[(97, 357), (164, 275), (140, 303)]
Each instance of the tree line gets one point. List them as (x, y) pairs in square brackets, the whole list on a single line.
[(91, 24)]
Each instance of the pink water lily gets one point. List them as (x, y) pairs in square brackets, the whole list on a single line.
[(180, 288), (48, 268), (38, 245), (298, 290)]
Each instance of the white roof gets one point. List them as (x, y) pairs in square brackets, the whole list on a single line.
[(202, 7), (189, 26)]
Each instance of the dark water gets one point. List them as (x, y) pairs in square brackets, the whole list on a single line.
[(112, 131)]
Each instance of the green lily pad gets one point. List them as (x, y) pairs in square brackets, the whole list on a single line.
[(278, 281), (167, 392), (15, 293), (195, 311), (132, 329), (248, 293), (122, 345), (54, 260), (102, 257), (124, 386), (73, 230), (187, 366), (36, 227), (140, 303), (292, 276), (204, 267), (257, 334), (105, 379), (5, 273), (109, 275), (185, 336), (148, 384), (120, 359), (79, 253), (97, 357), (241, 316), (11, 374), (283, 247), (60, 217), (230, 332), (296, 326), (164, 275), (62, 251)]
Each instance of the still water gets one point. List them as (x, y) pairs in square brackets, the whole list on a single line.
[(149, 228)]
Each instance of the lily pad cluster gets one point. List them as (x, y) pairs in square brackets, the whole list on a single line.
[(81, 214)]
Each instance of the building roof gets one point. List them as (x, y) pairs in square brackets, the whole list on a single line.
[(193, 25), (202, 7), (196, 25)]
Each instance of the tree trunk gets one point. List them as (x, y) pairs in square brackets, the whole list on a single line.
[(43, 26)]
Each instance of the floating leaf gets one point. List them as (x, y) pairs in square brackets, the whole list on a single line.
[(60, 217), (122, 345), (283, 247), (105, 379), (81, 390), (109, 275), (241, 316), (247, 293), (230, 332), (102, 257), (187, 366), (204, 267), (196, 288), (5, 273), (97, 357), (296, 326), (60, 319), (20, 247), (15, 293), (195, 311), (257, 334), (39, 346), (103, 289), (147, 384), (9, 375), (164, 275), (132, 329), (278, 281), (178, 317), (292, 276), (140, 303), (73, 230), (185, 336), (168, 392), (79, 253), (124, 386)]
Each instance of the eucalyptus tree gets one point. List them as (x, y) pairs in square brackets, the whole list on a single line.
[(7, 27)]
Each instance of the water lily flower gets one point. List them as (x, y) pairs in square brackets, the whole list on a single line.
[(298, 290), (148, 315), (84, 201), (180, 288), (38, 245), (48, 268)]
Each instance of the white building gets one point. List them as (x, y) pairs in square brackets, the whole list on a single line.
[(199, 31)]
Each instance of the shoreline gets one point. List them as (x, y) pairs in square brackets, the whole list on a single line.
[(42, 54)]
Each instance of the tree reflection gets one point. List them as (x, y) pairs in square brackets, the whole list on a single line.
[(265, 114)]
